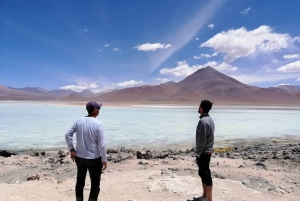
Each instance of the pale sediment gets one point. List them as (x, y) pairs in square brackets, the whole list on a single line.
[(270, 170)]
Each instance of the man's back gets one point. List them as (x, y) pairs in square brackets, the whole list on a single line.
[(89, 137)]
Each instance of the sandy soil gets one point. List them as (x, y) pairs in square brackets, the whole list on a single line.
[(159, 179)]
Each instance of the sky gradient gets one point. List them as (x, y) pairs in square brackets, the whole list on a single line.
[(101, 45)]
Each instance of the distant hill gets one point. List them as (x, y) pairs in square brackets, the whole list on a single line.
[(205, 83), (290, 88)]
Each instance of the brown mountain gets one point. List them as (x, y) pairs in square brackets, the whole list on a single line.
[(206, 83), (15, 94)]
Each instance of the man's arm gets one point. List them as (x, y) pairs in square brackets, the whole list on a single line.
[(201, 138), (102, 147), (69, 140)]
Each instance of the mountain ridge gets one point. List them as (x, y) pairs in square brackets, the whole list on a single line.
[(205, 83)]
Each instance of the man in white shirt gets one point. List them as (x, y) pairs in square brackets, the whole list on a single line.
[(90, 153)]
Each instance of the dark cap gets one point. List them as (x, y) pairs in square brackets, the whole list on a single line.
[(91, 105)]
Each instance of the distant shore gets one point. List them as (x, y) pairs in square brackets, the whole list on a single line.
[(155, 103)]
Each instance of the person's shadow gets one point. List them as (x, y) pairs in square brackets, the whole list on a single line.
[(195, 199)]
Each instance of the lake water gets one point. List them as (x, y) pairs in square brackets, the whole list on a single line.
[(43, 125)]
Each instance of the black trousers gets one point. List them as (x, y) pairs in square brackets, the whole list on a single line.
[(94, 166), (204, 171)]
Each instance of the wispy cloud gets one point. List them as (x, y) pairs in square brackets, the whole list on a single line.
[(246, 10), (116, 49), (80, 86), (298, 79), (181, 37), (211, 26), (129, 83), (197, 38), (99, 50), (151, 46), (86, 30), (204, 56), (106, 45), (292, 56)]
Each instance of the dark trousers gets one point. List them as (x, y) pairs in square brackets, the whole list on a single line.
[(204, 171), (95, 167)]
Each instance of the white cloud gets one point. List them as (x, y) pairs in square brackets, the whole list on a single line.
[(80, 86), (162, 80), (183, 68), (130, 83), (197, 38), (275, 61), (85, 30), (116, 49), (99, 50), (246, 10), (268, 70), (211, 26), (298, 79), (241, 43), (291, 67), (292, 56), (152, 46), (106, 45), (203, 56)]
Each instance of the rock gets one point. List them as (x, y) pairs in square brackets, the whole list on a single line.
[(51, 160), (116, 158), (260, 164), (43, 153), (241, 166), (33, 153), (33, 177), (173, 169), (123, 149), (111, 151), (142, 162), (61, 154), (164, 154), (148, 155), (6, 153), (246, 182), (140, 154)]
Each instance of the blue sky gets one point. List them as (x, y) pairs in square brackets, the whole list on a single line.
[(102, 45)]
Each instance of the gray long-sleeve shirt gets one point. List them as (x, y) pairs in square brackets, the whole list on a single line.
[(205, 135), (90, 138)]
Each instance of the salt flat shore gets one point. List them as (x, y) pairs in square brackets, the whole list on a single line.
[(265, 171)]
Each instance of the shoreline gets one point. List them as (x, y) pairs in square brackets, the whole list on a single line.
[(228, 143), (263, 171)]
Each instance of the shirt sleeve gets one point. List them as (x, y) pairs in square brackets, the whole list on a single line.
[(101, 143), (200, 138), (69, 136)]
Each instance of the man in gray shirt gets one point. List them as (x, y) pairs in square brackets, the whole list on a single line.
[(90, 153), (204, 147)]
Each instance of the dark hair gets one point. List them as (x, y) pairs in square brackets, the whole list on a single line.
[(90, 109), (206, 105)]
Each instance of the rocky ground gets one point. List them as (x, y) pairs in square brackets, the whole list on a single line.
[(266, 171)]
